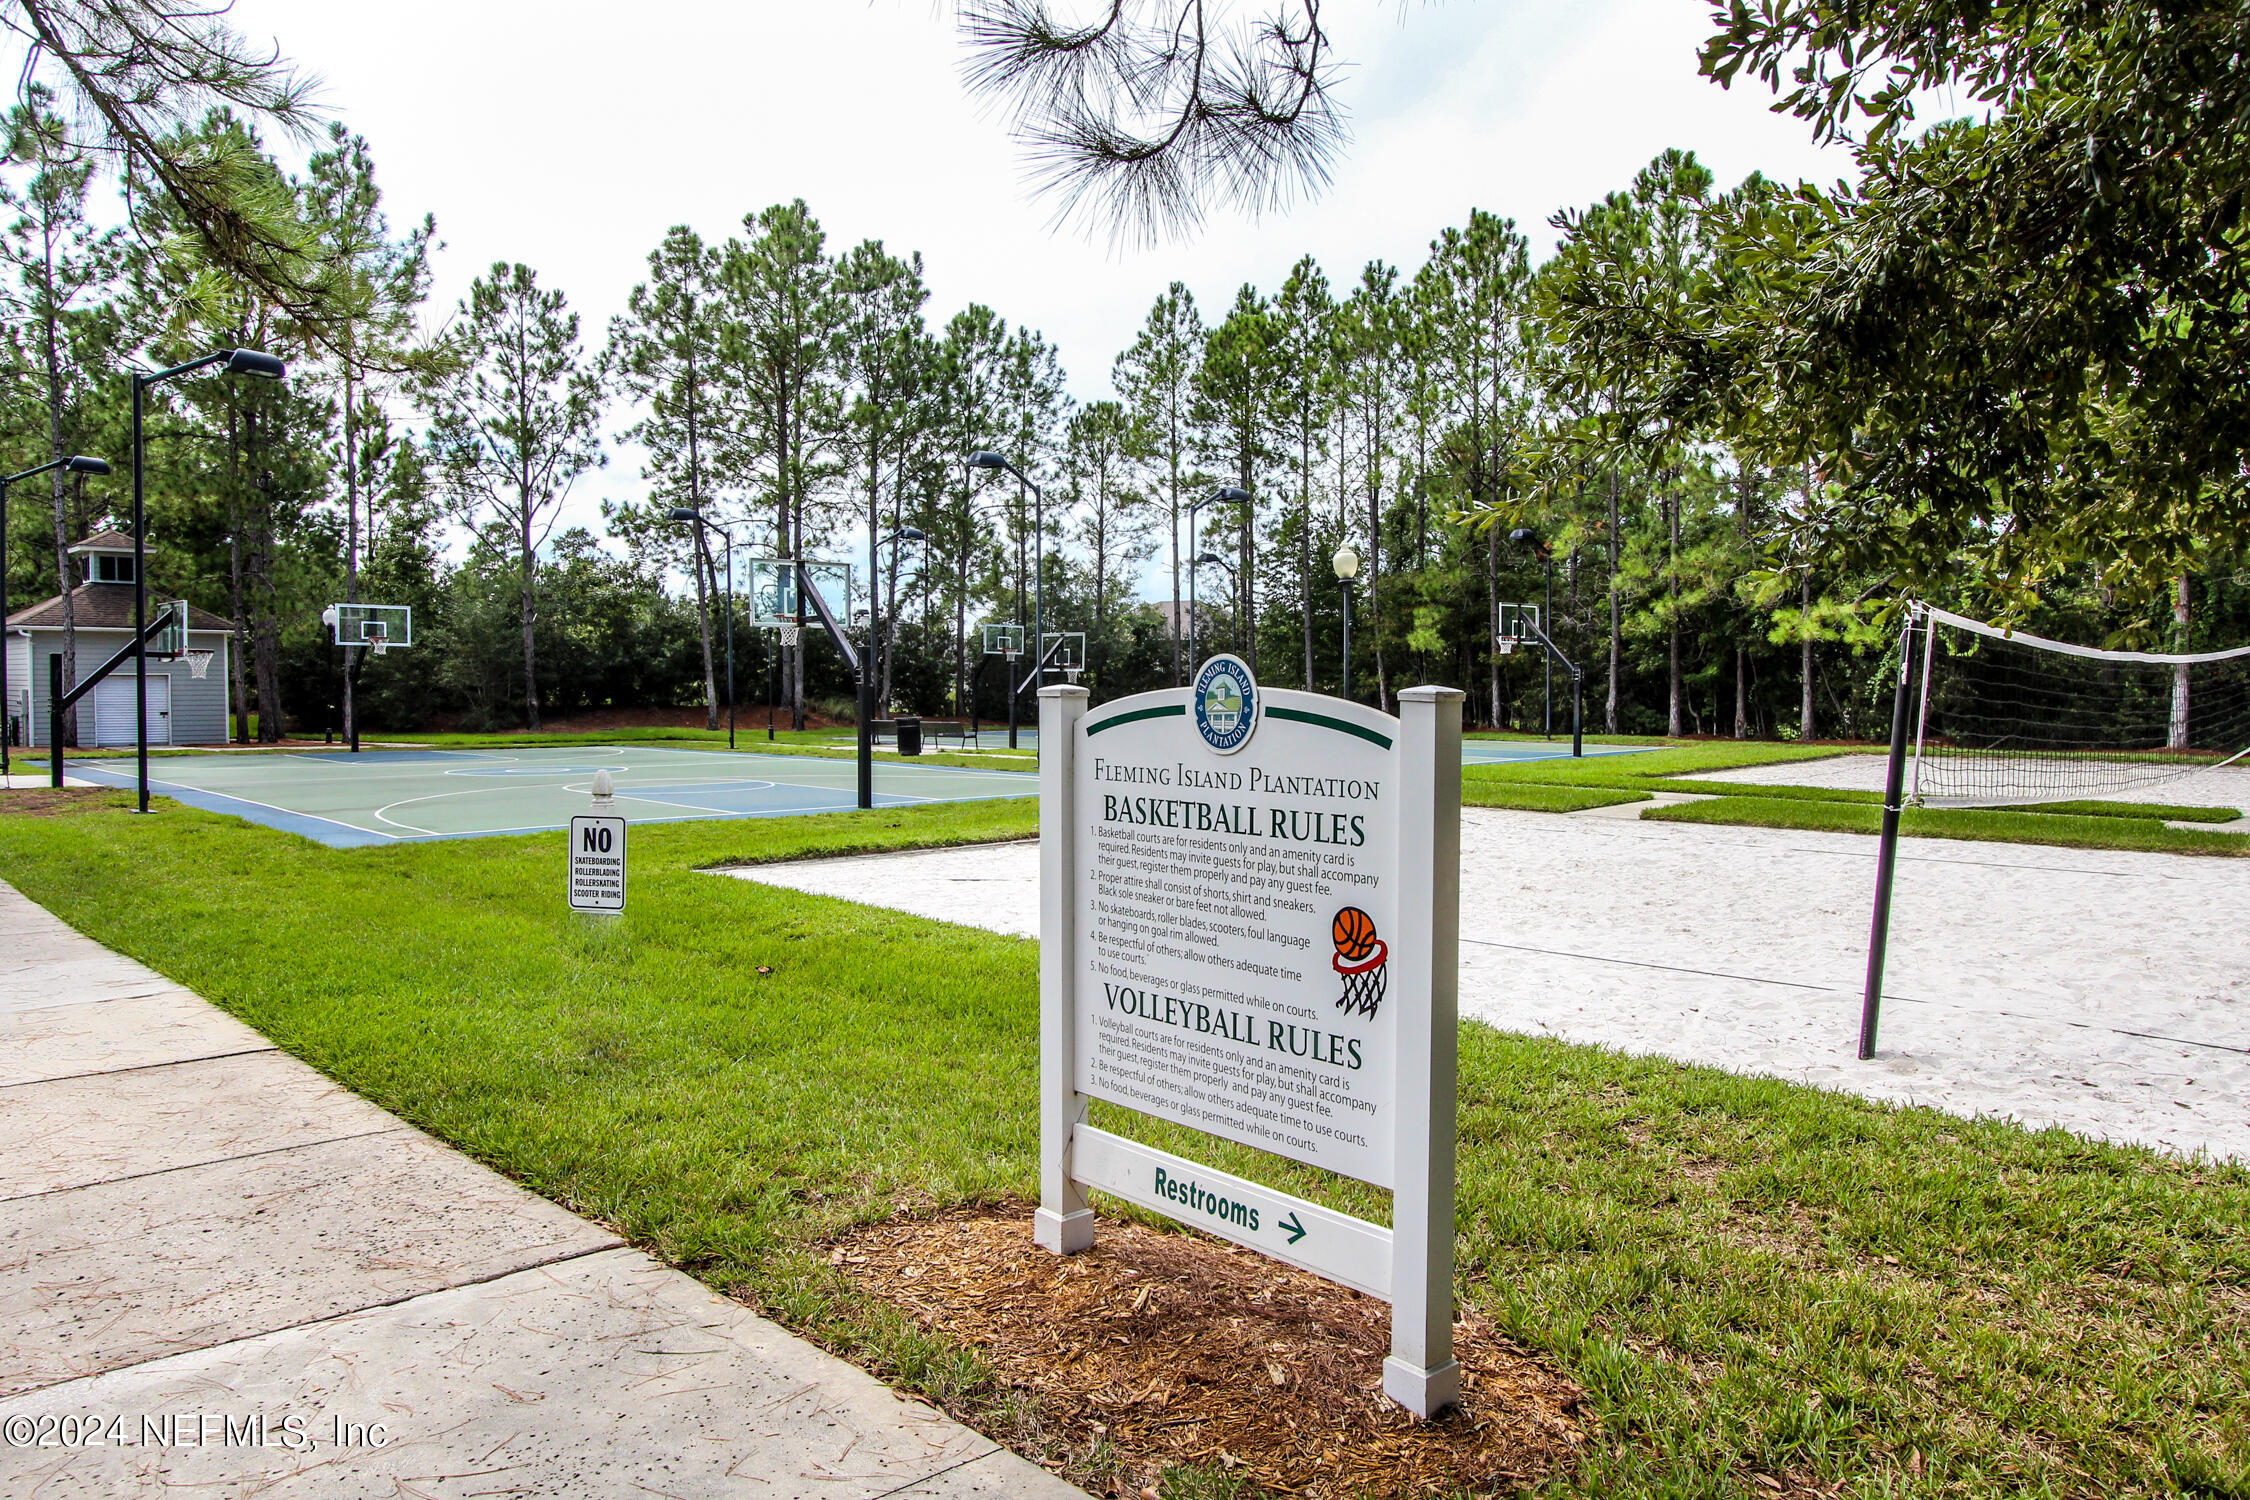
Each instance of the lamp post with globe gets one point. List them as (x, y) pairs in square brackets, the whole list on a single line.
[(1346, 564)]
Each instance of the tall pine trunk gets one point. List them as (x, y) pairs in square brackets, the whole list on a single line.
[(530, 619), (351, 539), (1672, 595), (2178, 739), (60, 491), (1616, 607), (1304, 537), (1492, 608), (705, 592), (1804, 657), (1247, 627)]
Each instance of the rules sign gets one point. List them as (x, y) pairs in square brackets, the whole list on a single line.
[(597, 864), (1249, 911)]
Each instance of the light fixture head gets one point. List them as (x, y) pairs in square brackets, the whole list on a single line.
[(683, 513), (988, 461), (1523, 534), (1231, 495), (83, 465), (1346, 563), (1209, 558), (251, 362), (910, 534)]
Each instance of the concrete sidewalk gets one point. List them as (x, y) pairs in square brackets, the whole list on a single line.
[(218, 1269)]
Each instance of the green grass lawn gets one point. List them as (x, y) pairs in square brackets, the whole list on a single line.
[(1760, 1284), (1568, 786)]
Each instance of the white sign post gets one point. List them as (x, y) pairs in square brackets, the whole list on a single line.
[(1249, 924), (597, 854)]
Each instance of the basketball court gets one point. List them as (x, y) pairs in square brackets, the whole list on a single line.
[(402, 796)]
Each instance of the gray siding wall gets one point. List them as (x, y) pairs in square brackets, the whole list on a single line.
[(19, 680), (199, 709)]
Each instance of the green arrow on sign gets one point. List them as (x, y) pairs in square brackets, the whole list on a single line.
[(1296, 1230)]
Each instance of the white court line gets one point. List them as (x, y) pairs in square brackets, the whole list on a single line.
[(123, 782)]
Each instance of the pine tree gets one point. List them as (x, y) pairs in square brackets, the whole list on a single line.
[(515, 422), (57, 258), (1156, 378), (782, 320), (664, 352)]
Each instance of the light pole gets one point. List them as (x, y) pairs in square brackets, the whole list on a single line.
[(989, 460), (1224, 494), (238, 362), (691, 514), (1196, 565), (73, 465), (1524, 536), (1346, 564)]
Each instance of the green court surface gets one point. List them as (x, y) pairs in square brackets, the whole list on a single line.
[(393, 796)]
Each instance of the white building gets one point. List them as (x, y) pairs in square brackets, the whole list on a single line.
[(182, 709)]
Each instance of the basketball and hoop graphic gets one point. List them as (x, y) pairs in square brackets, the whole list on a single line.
[(1362, 959)]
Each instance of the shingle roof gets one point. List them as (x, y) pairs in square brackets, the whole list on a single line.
[(104, 541), (102, 606)]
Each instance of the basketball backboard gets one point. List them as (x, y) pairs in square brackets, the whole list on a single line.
[(378, 625), (773, 591), (1003, 640), (170, 643), (1065, 651), (1518, 623)]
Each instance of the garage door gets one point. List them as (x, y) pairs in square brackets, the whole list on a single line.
[(113, 709)]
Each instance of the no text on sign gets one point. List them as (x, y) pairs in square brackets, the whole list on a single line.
[(597, 864)]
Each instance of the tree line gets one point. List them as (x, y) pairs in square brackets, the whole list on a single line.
[(1480, 429)]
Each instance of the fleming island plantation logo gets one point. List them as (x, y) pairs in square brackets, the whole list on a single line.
[(1362, 961), (1226, 704)]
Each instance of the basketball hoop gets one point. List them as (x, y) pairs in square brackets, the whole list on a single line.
[(1362, 962), (378, 645), (199, 662), (1506, 646), (1072, 674), (789, 637)]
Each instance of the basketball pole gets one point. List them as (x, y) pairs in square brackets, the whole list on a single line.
[(1886, 853)]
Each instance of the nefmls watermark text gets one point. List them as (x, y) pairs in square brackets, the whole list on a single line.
[(299, 1432)]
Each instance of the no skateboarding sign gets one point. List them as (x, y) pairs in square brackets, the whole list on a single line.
[(1249, 915), (597, 864)]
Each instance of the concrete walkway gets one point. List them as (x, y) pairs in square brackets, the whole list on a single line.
[(221, 1271)]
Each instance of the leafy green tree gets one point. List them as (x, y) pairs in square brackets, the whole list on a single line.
[(514, 422), (1649, 252), (2012, 350)]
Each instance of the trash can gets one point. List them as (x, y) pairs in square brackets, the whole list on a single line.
[(910, 736)]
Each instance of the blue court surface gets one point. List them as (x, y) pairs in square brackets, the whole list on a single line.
[(1510, 752), (402, 796)]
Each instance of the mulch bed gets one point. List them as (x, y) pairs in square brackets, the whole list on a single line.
[(1181, 1349), (47, 802)]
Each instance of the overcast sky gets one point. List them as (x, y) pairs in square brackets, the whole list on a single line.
[(570, 136)]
